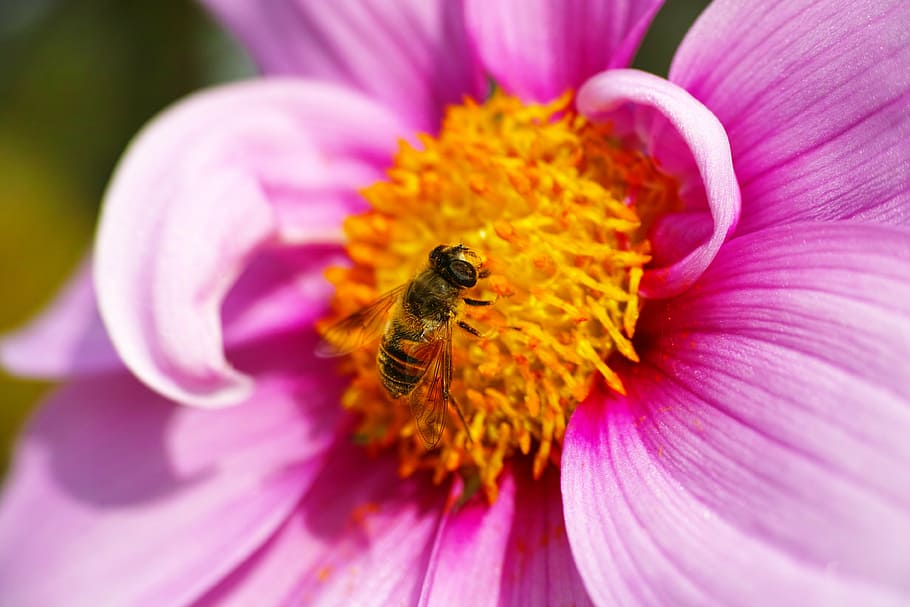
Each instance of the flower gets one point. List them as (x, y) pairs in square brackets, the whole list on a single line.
[(758, 453)]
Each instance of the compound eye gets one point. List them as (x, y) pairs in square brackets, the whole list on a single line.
[(463, 273)]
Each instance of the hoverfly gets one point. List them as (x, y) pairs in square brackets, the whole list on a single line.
[(415, 321)]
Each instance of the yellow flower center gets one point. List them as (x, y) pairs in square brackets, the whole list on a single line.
[(558, 211)]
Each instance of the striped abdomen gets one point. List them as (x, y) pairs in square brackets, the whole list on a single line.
[(400, 371)]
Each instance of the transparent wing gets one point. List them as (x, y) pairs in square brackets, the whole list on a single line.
[(360, 328), (430, 399)]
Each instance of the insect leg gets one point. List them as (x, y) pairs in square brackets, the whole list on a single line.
[(477, 302), (448, 384), (469, 329), (467, 428)]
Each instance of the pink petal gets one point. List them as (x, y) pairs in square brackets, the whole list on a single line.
[(687, 141), (362, 536), (282, 291), (540, 49), (201, 192), (760, 456), (814, 97), (467, 564), (413, 55), (539, 568), (118, 497), (514, 552), (67, 339)]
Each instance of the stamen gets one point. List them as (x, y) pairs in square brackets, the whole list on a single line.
[(558, 212)]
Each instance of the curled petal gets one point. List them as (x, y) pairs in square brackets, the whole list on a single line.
[(814, 97), (686, 140), (412, 55), (205, 188), (760, 455), (538, 50)]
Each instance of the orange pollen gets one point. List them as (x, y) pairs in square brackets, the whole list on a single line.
[(559, 212)]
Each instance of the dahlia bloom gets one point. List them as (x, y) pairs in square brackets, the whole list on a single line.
[(743, 441)]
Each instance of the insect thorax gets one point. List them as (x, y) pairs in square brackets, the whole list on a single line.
[(430, 298)]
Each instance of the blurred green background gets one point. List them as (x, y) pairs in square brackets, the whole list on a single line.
[(77, 79)]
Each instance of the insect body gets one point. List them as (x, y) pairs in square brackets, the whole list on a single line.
[(415, 321)]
